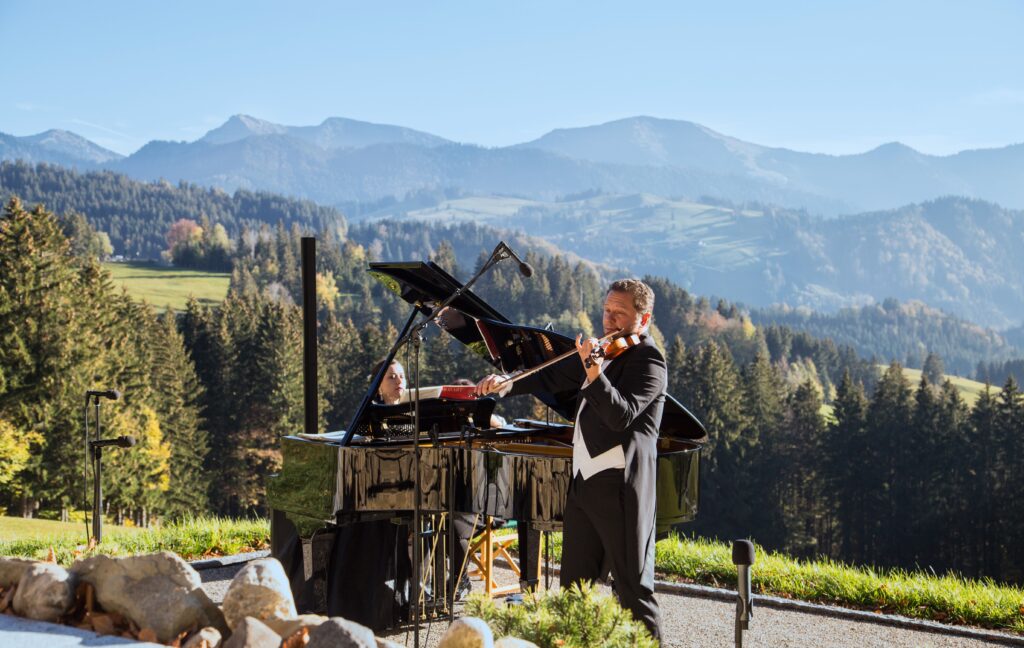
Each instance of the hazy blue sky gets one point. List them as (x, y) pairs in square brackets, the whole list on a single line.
[(834, 77)]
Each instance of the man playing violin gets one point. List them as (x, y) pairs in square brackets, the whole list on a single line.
[(610, 509)]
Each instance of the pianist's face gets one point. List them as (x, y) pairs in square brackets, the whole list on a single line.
[(620, 313), (392, 384)]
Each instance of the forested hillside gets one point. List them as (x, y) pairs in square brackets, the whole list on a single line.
[(899, 476), (960, 255), (903, 331), (137, 216)]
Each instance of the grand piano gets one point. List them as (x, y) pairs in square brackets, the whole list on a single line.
[(521, 471)]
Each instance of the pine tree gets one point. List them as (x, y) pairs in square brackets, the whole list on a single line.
[(847, 456), (951, 484), (763, 408), (885, 483), (136, 481), (983, 487), (1008, 475), (178, 396), (50, 350), (920, 473), (207, 341), (714, 392), (801, 487), (343, 382), (933, 369)]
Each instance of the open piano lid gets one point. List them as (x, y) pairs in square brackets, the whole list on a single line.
[(508, 347)]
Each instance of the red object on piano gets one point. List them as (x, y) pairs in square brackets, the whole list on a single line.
[(458, 392)]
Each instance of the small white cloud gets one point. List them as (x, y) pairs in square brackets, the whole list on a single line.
[(98, 127)]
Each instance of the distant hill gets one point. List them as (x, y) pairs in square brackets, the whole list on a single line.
[(58, 147), (137, 215), (332, 133), (885, 177), (965, 257), (1015, 335), (298, 166), (905, 332), (344, 160)]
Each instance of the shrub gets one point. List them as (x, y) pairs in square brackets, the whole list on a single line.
[(577, 617)]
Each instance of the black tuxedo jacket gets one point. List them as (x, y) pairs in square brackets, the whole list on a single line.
[(623, 406)]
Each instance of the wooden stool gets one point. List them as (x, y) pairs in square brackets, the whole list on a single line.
[(482, 552)]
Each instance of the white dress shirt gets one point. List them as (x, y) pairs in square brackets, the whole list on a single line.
[(582, 462)]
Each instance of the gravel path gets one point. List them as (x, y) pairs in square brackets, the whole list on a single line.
[(697, 622)]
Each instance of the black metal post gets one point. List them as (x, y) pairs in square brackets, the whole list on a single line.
[(454, 571), (309, 355), (417, 514), (97, 487)]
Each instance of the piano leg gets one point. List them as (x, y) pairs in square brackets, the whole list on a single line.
[(529, 556), (305, 554), (370, 574)]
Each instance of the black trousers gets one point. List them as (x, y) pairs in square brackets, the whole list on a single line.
[(594, 540)]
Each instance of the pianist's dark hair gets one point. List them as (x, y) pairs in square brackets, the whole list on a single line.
[(380, 363), (643, 296)]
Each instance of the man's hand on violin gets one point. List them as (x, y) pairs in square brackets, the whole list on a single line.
[(589, 350)]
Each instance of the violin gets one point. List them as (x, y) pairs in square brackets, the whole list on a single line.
[(608, 347), (612, 348)]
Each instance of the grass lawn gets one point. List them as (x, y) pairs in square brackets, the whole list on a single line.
[(163, 286), (190, 539), (969, 389), (16, 528)]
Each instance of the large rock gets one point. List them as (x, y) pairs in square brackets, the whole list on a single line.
[(288, 627), (468, 632), (341, 633), (206, 638), (11, 570), (259, 590), (252, 633), (160, 591), (45, 592), (514, 642)]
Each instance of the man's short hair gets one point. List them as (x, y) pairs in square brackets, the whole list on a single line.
[(643, 296)]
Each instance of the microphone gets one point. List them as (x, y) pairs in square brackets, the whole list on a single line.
[(524, 267), (743, 558), (110, 394), (119, 442)]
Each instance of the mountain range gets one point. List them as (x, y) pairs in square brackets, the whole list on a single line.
[(961, 255), (718, 215), (344, 160)]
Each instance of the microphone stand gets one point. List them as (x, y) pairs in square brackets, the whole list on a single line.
[(500, 253), (97, 489)]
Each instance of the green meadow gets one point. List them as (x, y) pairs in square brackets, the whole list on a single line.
[(191, 539), (164, 286), (969, 390)]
